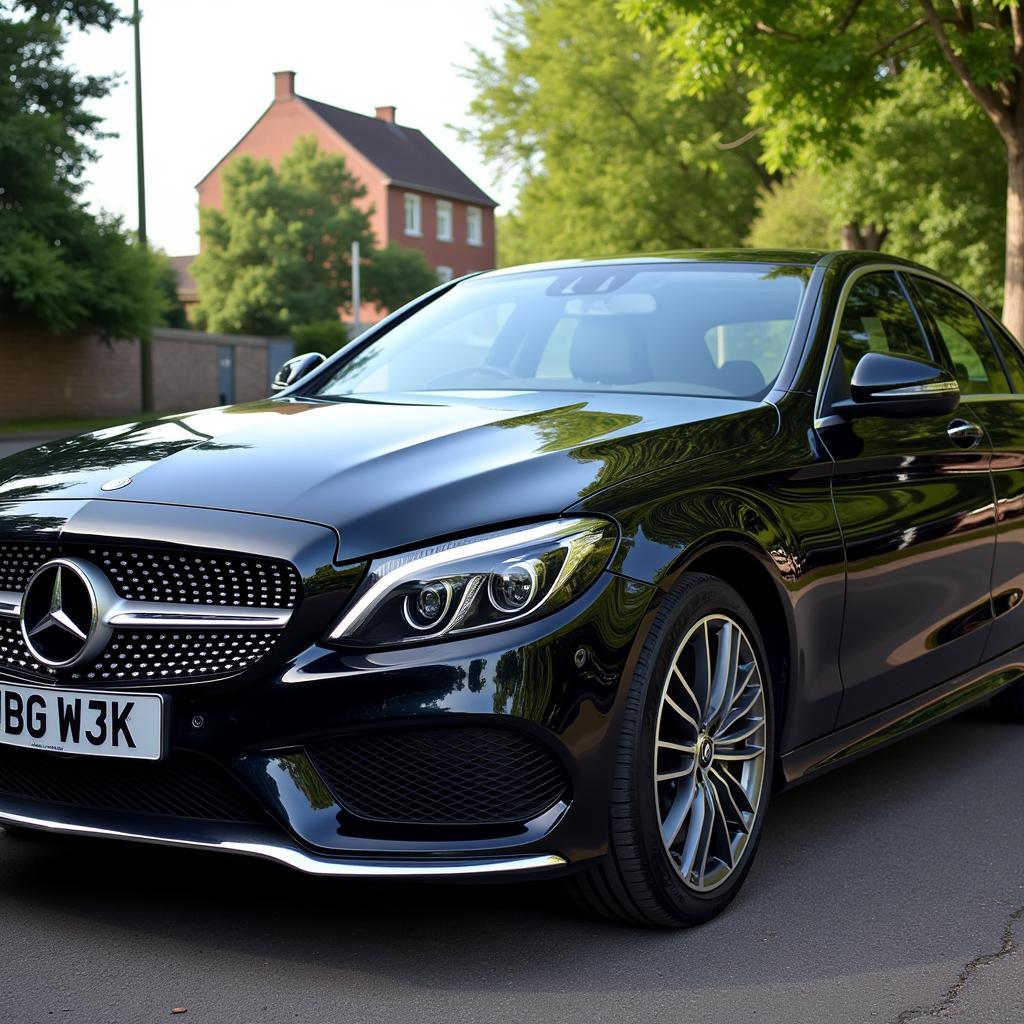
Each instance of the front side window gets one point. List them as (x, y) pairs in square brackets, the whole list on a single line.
[(474, 226), (878, 317), (444, 220), (706, 330), (974, 359), (413, 214)]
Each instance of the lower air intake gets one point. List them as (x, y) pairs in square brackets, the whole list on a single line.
[(447, 776), (184, 785)]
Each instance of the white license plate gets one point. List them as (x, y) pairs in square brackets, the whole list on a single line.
[(82, 721)]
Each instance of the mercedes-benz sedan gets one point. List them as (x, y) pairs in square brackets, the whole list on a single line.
[(561, 569)]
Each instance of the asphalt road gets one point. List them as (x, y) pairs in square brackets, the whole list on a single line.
[(888, 891)]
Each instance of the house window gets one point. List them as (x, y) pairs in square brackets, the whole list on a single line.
[(444, 220), (413, 214), (444, 274), (474, 226)]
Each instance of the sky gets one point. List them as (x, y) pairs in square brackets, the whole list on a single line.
[(207, 76)]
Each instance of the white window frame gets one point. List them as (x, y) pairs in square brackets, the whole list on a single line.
[(413, 204), (474, 216), (443, 205), (444, 274)]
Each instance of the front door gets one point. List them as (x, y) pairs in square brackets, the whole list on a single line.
[(913, 498)]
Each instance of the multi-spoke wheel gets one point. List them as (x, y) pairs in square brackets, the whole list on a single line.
[(710, 751), (693, 766)]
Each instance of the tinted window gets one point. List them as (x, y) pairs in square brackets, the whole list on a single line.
[(878, 318), (1013, 358), (974, 360), (714, 330)]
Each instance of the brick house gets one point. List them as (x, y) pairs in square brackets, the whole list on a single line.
[(420, 199)]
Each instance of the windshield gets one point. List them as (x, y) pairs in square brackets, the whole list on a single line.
[(713, 330)]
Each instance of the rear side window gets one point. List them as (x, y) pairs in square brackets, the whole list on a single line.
[(1013, 358), (878, 318), (974, 359)]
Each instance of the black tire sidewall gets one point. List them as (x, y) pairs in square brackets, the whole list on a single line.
[(698, 596)]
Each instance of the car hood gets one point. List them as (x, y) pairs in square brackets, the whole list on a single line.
[(388, 472)]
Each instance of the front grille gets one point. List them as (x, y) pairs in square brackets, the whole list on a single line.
[(18, 560), (141, 574), (178, 576), (445, 776), (185, 785), (164, 655)]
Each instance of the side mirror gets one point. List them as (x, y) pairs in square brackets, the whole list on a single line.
[(899, 387), (296, 367)]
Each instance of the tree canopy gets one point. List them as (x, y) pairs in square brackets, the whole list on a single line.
[(818, 68), (578, 107), (61, 266), (278, 254)]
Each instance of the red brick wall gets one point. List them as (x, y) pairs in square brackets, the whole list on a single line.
[(45, 377), (458, 253)]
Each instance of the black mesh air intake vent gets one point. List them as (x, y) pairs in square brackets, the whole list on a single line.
[(185, 785), (449, 776)]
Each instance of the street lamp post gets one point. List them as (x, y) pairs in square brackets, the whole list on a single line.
[(145, 348)]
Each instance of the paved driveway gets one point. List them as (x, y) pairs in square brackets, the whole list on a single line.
[(8, 446), (889, 891)]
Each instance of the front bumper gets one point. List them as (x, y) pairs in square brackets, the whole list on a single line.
[(556, 681)]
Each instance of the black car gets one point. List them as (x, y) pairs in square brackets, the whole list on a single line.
[(560, 569)]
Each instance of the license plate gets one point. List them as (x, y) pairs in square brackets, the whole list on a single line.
[(82, 721)]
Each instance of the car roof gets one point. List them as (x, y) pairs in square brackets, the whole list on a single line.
[(841, 258)]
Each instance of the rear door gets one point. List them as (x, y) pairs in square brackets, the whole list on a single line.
[(914, 501), (990, 370)]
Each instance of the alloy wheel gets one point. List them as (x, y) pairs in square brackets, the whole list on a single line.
[(709, 761)]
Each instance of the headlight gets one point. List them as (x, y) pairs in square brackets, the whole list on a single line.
[(484, 582)]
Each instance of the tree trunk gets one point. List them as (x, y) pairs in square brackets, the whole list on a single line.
[(1013, 285), (871, 237)]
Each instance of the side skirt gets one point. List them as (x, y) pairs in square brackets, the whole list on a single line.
[(910, 716)]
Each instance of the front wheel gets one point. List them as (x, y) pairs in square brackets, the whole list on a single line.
[(694, 764)]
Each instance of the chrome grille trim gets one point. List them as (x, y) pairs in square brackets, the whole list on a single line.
[(10, 604), (142, 614)]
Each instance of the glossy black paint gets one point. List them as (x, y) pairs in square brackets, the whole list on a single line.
[(885, 562)]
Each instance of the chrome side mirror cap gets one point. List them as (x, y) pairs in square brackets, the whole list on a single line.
[(296, 368)]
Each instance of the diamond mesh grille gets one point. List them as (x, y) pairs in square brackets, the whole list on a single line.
[(19, 560), (185, 785), (451, 776), (140, 574)]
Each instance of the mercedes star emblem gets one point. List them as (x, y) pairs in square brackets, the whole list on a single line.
[(60, 613)]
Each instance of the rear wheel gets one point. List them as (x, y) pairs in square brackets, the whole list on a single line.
[(694, 764)]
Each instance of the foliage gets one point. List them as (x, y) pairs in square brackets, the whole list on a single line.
[(60, 266), (794, 214), (278, 254), (325, 336), (395, 275), (173, 313), (821, 72), (578, 108)]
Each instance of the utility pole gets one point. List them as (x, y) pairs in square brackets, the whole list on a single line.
[(145, 348)]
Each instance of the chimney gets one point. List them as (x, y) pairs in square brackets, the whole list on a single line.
[(386, 114), (284, 85)]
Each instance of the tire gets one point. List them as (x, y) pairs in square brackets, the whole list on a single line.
[(1009, 703), (641, 879)]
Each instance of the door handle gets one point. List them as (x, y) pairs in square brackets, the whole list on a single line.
[(964, 433)]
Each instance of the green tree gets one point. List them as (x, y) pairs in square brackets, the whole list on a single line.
[(794, 214), (578, 108), (278, 254), (816, 66), (61, 267)]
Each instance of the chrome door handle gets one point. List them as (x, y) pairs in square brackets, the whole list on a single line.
[(964, 433)]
